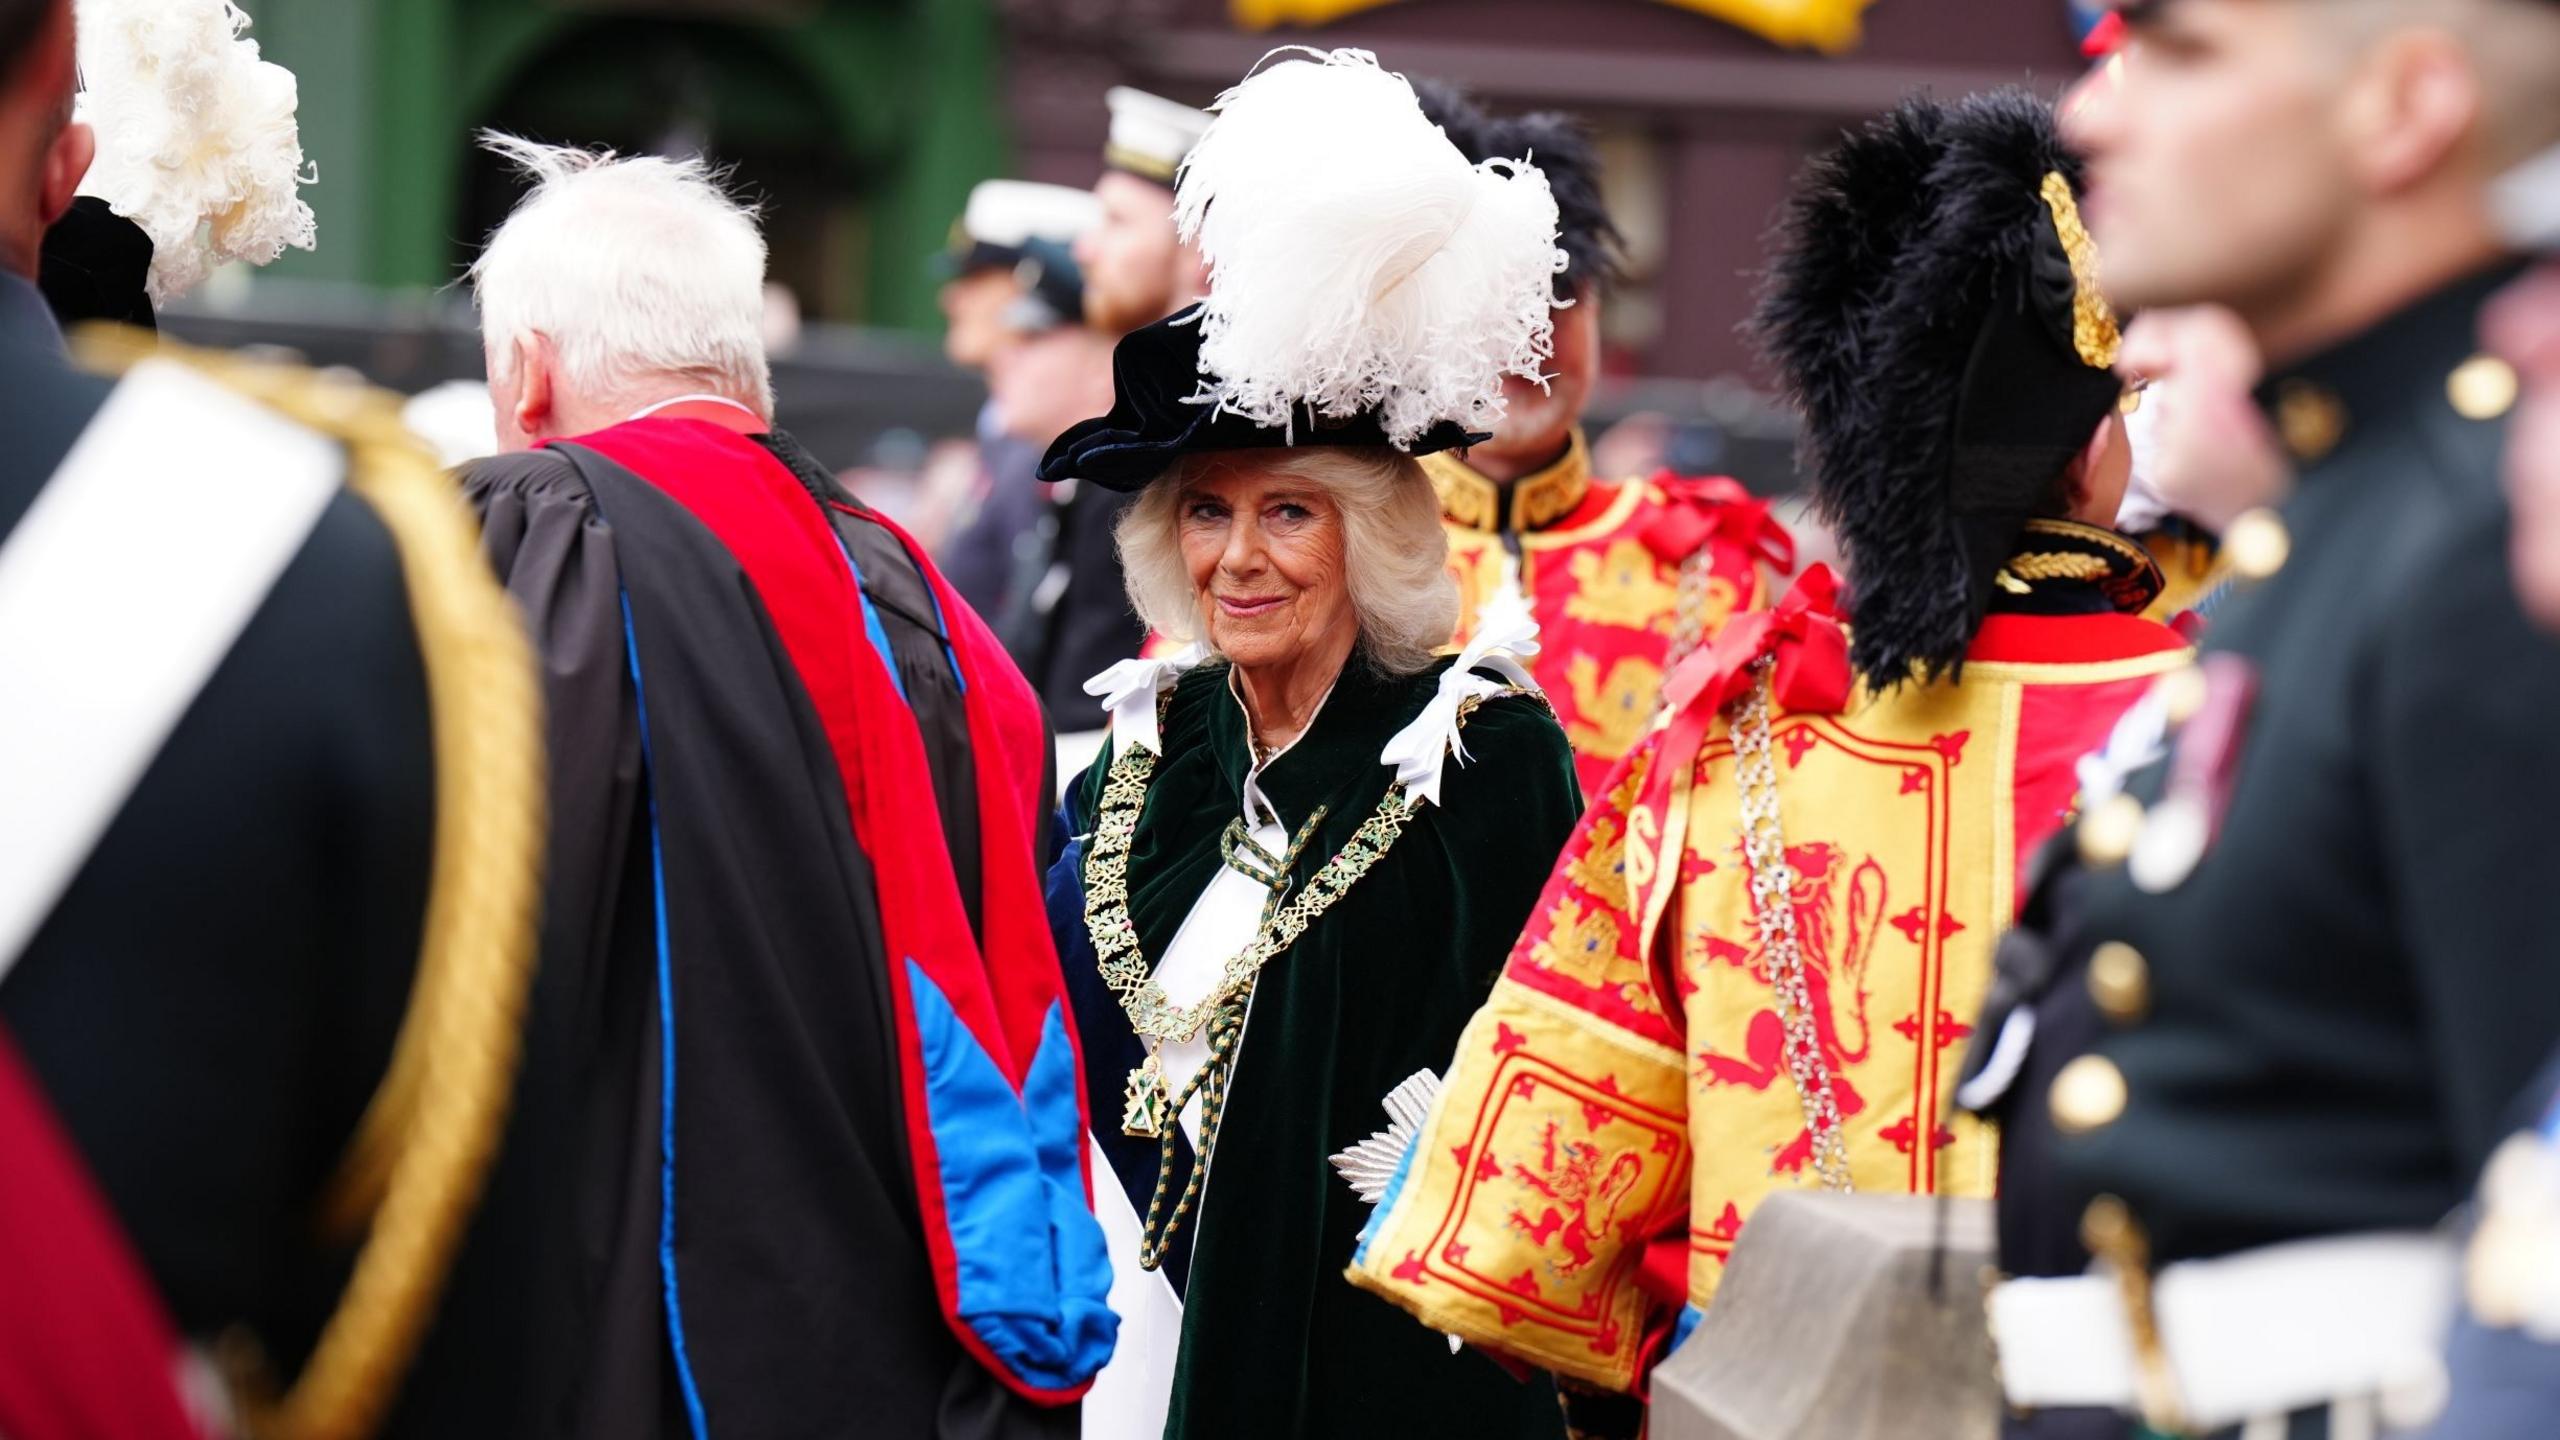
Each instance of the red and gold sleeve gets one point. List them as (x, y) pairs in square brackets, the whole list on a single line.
[(1559, 1145)]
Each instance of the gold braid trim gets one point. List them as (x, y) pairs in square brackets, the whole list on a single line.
[(2056, 567), (420, 1158), (2093, 321)]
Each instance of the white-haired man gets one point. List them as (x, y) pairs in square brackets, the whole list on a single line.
[(799, 1007)]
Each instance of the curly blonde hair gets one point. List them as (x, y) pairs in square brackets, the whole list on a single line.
[(1395, 555)]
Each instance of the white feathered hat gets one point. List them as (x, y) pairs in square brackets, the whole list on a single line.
[(1367, 285), (197, 142)]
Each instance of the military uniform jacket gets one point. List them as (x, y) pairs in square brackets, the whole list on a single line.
[(1622, 577), (2323, 923), (1628, 1069), (212, 1003)]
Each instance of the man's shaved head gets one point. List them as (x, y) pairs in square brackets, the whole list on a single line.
[(2512, 48), (2311, 164)]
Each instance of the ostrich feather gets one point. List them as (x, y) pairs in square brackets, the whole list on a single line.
[(1357, 261), (197, 140)]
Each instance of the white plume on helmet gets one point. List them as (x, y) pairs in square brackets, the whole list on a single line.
[(197, 142), (1356, 260)]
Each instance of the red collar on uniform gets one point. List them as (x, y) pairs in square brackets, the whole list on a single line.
[(2069, 639)]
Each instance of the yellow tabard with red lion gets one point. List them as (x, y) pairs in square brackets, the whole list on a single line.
[(1619, 576), (1624, 1086)]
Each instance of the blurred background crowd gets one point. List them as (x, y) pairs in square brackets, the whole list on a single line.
[(862, 126)]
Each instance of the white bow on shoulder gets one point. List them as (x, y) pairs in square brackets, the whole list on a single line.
[(1128, 694), (1507, 637)]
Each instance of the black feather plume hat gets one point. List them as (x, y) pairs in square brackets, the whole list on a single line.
[(1932, 309)]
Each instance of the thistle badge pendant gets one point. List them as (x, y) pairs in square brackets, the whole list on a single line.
[(1143, 1115)]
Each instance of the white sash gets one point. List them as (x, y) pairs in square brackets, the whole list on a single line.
[(123, 587)]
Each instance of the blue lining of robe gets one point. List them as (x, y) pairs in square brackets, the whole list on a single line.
[(1029, 1254), (666, 1051)]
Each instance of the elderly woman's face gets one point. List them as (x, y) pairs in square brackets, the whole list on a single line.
[(1264, 551)]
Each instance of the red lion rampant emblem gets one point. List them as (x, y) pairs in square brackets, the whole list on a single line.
[(1836, 932), (1587, 1185)]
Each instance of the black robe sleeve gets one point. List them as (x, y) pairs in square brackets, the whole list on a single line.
[(555, 555), (581, 1149)]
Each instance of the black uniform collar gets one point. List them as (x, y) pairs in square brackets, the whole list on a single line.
[(2403, 365), (2062, 567)]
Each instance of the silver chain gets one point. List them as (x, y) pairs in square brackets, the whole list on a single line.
[(1764, 849), (1689, 611)]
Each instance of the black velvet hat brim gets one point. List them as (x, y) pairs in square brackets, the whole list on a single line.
[(1155, 419), (96, 266)]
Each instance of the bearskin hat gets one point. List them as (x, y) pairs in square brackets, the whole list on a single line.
[(1557, 144), (1932, 312)]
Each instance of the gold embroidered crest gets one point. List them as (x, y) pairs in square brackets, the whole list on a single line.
[(1477, 567), (1622, 586), (1578, 942), (1601, 870), (1609, 714)]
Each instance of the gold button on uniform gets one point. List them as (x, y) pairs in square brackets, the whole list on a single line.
[(2120, 982), (2481, 388), (2257, 543), (2088, 1095), (2106, 834), (2108, 1228), (2309, 418)]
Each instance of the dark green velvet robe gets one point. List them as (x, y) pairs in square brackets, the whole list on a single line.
[(1275, 1342)]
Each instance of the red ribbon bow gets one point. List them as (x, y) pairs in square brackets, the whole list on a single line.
[(1802, 630), (1715, 509), (1811, 675)]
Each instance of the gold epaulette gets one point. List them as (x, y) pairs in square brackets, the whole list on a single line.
[(419, 1161)]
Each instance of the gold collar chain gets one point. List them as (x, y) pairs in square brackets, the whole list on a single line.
[(1150, 1111), (1124, 967)]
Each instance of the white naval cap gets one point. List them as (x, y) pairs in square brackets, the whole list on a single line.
[(1010, 214), (1150, 134)]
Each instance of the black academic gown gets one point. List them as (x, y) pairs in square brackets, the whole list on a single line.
[(807, 1305), (1275, 1342)]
